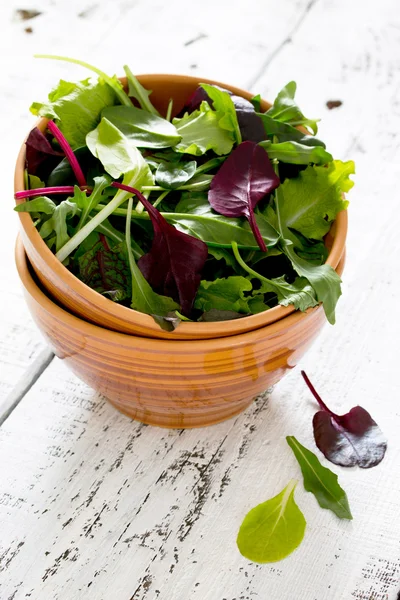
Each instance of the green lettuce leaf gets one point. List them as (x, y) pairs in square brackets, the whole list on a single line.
[(201, 131), (223, 105), (76, 107), (286, 110), (310, 202)]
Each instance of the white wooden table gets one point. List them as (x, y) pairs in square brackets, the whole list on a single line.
[(95, 506)]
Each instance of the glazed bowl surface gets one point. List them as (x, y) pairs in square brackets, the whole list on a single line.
[(84, 302), (171, 383)]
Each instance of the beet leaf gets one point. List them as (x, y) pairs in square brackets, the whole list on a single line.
[(174, 264), (242, 181), (350, 439), (40, 155)]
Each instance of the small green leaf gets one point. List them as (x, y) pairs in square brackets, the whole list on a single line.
[(40, 204), (137, 91), (172, 175), (228, 293), (272, 530), (223, 105), (287, 133), (320, 481), (144, 129), (201, 131)]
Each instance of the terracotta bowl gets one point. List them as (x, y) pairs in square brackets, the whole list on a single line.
[(166, 382), (92, 306)]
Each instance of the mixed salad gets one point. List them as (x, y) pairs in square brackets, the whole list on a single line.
[(212, 213)]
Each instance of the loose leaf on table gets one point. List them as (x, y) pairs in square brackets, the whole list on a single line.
[(144, 129), (350, 439), (230, 293), (286, 110), (117, 153), (241, 182), (320, 481), (105, 268), (174, 264), (194, 216), (201, 131), (171, 175), (297, 153), (272, 530), (76, 107), (40, 154)]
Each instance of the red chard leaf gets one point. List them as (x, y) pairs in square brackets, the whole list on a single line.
[(350, 439), (242, 181), (250, 124), (40, 155), (175, 262)]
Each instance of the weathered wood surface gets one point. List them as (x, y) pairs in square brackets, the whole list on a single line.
[(95, 506)]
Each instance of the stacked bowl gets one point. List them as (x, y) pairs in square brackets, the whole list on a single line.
[(197, 375)]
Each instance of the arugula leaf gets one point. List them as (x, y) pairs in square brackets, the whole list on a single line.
[(76, 107), (299, 293), (104, 268), (223, 105), (320, 481), (286, 133), (224, 294), (172, 175), (242, 181), (41, 204), (297, 153), (117, 153), (286, 110), (310, 202), (201, 131), (87, 204), (137, 91), (274, 529), (56, 226), (144, 129), (350, 439)]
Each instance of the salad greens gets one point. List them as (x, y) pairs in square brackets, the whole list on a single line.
[(230, 209)]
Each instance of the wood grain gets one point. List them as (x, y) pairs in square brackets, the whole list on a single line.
[(95, 506)]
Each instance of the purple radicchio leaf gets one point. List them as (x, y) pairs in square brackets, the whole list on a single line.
[(41, 158), (350, 439), (175, 262), (250, 125), (241, 182)]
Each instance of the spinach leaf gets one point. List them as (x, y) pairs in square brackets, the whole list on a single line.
[(320, 481), (172, 175), (242, 181), (350, 439), (76, 107), (274, 529), (144, 129), (63, 173), (297, 153), (286, 133), (286, 110), (201, 131), (117, 153), (230, 293)]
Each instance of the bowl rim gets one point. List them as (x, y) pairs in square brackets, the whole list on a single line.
[(90, 330), (133, 317)]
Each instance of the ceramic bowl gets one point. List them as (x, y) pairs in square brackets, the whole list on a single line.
[(92, 306), (166, 382)]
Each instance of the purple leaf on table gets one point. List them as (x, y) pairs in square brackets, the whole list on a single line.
[(350, 439), (242, 181)]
